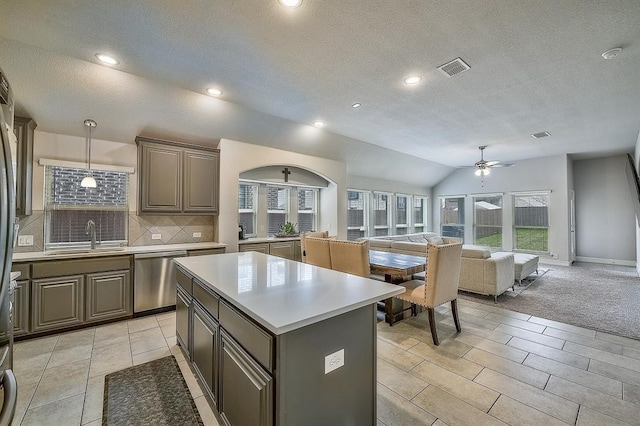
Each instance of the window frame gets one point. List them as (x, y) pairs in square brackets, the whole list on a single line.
[(425, 204), (316, 202), (475, 216), (254, 210), (459, 225), (287, 204), (389, 224), (514, 195), (366, 205), (408, 213)]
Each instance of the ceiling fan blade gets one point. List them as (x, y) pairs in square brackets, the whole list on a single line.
[(492, 163), (503, 165)]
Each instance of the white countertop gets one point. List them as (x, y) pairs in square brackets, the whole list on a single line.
[(284, 295), (43, 255), (15, 275), (256, 240)]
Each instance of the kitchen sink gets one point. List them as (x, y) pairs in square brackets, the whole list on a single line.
[(83, 251)]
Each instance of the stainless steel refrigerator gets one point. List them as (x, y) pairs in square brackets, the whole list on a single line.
[(7, 219)]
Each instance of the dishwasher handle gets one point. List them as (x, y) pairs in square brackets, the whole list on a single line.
[(155, 255)]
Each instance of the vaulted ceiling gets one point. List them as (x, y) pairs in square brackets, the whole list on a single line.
[(534, 66)]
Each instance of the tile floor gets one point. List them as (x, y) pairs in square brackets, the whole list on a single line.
[(504, 368)]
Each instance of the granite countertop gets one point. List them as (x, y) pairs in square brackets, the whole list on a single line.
[(255, 240), (82, 253), (283, 295)]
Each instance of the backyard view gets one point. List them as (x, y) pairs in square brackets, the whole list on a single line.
[(529, 239)]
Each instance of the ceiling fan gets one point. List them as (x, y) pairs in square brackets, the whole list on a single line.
[(483, 167)]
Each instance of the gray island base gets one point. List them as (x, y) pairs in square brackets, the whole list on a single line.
[(280, 342)]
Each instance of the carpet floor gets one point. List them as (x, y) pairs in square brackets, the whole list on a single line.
[(600, 297), (154, 393)]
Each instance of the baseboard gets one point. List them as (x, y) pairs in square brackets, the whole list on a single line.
[(547, 261), (606, 261)]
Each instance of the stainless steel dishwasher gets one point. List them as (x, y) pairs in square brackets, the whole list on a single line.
[(154, 286)]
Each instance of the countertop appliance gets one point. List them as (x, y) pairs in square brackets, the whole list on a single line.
[(7, 219), (154, 285)]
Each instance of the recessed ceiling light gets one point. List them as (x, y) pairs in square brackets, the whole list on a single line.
[(106, 59), (214, 91), (356, 105), (412, 79), (611, 53), (318, 123), (290, 3), (540, 135)]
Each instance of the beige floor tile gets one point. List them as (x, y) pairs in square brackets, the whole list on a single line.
[(33, 347), (401, 340), (589, 417), (546, 402), (111, 334), (190, 379), (70, 355), (585, 378), (446, 360), (598, 401), (151, 355), (473, 311), (25, 394), (509, 368), (439, 423), (393, 410), (549, 352), (476, 321), (205, 411), (614, 372), (514, 322), (418, 328), (396, 356), (29, 369), (619, 360), (483, 332), (631, 393), (516, 413), (563, 326), (461, 388), (495, 348), (531, 336), (175, 349), (399, 381), (140, 324), (168, 327), (631, 352), (110, 358), (583, 340), (453, 347), (624, 341), (94, 423), (93, 400), (166, 316), (452, 410), (61, 382), (510, 314), (64, 412), (147, 340), (74, 339)]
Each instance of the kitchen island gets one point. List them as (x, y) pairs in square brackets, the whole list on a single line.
[(281, 342)]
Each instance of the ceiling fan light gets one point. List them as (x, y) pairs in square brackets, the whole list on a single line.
[(486, 171), (88, 182), (478, 172)]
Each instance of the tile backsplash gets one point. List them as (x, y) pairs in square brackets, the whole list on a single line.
[(172, 230)]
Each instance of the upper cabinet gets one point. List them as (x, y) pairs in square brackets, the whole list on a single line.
[(24, 128), (177, 178)]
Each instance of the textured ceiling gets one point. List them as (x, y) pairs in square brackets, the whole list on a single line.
[(535, 65)]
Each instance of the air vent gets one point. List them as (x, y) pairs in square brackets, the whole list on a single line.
[(454, 67), (540, 135)]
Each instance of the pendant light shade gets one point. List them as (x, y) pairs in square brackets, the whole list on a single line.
[(88, 181)]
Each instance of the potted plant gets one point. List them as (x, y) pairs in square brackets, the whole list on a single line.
[(288, 230)]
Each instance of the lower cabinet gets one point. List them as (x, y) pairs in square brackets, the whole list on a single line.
[(57, 302), (283, 249), (259, 247), (183, 319), (108, 295), (21, 308), (287, 249), (246, 390), (205, 349)]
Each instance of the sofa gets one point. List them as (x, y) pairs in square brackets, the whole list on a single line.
[(481, 271)]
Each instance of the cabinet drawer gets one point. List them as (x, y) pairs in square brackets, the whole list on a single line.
[(184, 280), (58, 268), (205, 252), (253, 339), (207, 298), (23, 268), (262, 248)]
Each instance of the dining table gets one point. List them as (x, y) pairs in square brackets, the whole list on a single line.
[(396, 268)]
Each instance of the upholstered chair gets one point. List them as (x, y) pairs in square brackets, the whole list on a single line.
[(351, 257), (317, 252), (303, 237), (439, 286)]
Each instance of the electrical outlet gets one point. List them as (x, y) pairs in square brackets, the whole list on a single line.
[(333, 361), (156, 236), (197, 234), (25, 240)]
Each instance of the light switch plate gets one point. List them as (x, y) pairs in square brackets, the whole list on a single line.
[(333, 361), (197, 234), (156, 236), (25, 240)]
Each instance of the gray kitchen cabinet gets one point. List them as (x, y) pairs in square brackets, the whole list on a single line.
[(297, 251), (108, 295), (21, 308), (204, 252), (289, 249), (24, 128), (284, 249), (259, 247), (246, 389), (57, 302), (183, 319), (205, 348), (177, 178)]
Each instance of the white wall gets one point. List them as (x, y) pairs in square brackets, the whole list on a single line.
[(636, 157), (548, 173), (237, 157), (605, 216)]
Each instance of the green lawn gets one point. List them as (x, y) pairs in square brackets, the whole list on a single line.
[(493, 240), (529, 239)]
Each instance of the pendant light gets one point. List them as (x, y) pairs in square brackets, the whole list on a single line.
[(89, 181)]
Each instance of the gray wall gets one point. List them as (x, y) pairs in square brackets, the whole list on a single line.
[(605, 217)]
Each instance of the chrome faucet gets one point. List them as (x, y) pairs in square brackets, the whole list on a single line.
[(91, 228)]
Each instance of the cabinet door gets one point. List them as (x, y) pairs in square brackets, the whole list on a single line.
[(283, 249), (297, 251), (246, 390), (262, 248), (205, 252), (57, 302), (205, 348), (183, 320), (24, 128), (160, 183), (21, 308), (201, 182), (108, 295)]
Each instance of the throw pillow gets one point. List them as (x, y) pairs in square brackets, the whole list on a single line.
[(436, 240)]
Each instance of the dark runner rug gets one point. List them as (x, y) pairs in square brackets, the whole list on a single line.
[(154, 393)]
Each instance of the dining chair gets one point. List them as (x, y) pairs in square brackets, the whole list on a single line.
[(439, 286), (303, 238), (351, 257), (317, 252)]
